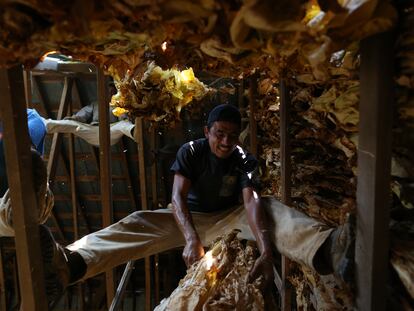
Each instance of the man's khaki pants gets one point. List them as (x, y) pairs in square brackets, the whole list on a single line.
[(145, 233)]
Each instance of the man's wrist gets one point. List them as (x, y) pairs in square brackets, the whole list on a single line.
[(267, 255)]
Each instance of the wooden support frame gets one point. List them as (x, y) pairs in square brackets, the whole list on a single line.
[(374, 173), (23, 198), (122, 286), (75, 204), (252, 120), (139, 138), (286, 292), (154, 188), (3, 301), (27, 88), (105, 171), (43, 110)]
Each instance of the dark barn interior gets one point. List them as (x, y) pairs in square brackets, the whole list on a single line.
[(325, 92)]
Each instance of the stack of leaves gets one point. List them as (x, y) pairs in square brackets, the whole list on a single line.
[(323, 140), (219, 281), (317, 292), (157, 94), (267, 117), (323, 132), (402, 169), (237, 33)]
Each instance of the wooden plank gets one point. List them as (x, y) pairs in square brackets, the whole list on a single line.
[(154, 188), (92, 197), (285, 182), (105, 171), (252, 120), (23, 198), (87, 178), (41, 106), (127, 177), (374, 160), (116, 302), (79, 202), (78, 102), (57, 138), (27, 88), (139, 138), (75, 205), (3, 300)]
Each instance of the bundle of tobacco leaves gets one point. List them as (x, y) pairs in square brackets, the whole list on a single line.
[(204, 33), (157, 94), (323, 136), (267, 117), (219, 281), (324, 133)]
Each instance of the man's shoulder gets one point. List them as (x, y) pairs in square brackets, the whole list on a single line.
[(195, 147)]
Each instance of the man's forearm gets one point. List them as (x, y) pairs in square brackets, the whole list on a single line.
[(184, 220), (259, 226)]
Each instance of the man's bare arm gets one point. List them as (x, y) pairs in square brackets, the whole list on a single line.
[(193, 249), (257, 222)]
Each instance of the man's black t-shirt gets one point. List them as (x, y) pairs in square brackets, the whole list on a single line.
[(216, 184)]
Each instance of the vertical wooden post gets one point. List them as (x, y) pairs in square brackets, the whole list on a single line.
[(286, 181), (154, 187), (105, 171), (252, 120), (23, 198), (3, 305), (27, 88), (75, 206), (374, 160), (139, 138)]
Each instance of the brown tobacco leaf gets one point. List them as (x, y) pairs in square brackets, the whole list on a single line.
[(221, 286)]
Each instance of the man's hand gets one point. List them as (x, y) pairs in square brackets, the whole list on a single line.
[(193, 251), (263, 266)]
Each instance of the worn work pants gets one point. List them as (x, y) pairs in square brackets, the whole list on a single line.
[(45, 206), (145, 233), (90, 133)]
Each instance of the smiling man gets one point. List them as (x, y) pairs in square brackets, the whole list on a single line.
[(210, 175)]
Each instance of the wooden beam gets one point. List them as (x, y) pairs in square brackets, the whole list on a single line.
[(105, 170), (127, 177), (78, 102), (139, 138), (44, 111), (75, 205), (116, 302), (374, 160), (154, 188), (252, 119), (93, 197), (88, 178), (56, 141), (3, 301), (41, 108), (23, 198), (79, 202), (286, 182), (27, 88)]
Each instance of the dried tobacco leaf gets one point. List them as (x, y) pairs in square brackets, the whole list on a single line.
[(219, 281)]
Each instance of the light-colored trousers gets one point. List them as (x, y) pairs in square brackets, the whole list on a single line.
[(145, 233), (45, 205)]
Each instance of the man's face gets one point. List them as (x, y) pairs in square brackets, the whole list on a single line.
[(222, 137)]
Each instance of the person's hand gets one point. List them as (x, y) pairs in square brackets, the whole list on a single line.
[(193, 251), (263, 266)]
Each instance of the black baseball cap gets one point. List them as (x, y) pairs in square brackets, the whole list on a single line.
[(224, 112)]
